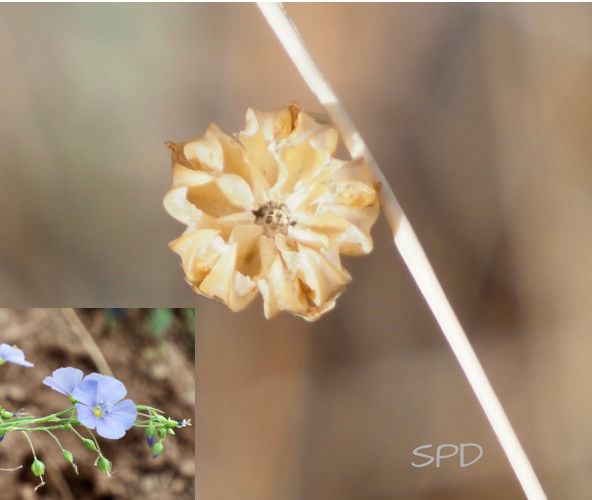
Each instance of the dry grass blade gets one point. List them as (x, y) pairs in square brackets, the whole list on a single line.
[(76, 326), (410, 249)]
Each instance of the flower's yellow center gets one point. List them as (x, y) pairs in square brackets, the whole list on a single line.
[(98, 411), (274, 217)]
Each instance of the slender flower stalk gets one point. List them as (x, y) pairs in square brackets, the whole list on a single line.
[(66, 420), (410, 249)]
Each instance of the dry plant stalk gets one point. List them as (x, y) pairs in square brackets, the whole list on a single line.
[(77, 326)]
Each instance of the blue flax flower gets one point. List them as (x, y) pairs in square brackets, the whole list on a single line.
[(64, 380), (99, 405), (9, 354)]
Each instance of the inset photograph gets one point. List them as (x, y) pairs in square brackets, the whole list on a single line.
[(97, 404)]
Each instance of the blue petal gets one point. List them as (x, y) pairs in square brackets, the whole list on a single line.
[(94, 376), (110, 390), (5, 351), (64, 380), (117, 420), (125, 412), (21, 362), (86, 392), (13, 355), (110, 429), (86, 416)]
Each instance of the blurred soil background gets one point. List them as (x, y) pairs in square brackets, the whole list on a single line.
[(480, 116), (150, 351)]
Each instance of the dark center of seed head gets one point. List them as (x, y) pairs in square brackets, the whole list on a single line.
[(274, 217)]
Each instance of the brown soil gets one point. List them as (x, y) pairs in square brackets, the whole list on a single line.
[(158, 370)]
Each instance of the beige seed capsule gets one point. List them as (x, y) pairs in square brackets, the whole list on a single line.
[(270, 212)]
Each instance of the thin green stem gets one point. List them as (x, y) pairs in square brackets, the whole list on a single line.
[(30, 444), (55, 439), (95, 440), (78, 434)]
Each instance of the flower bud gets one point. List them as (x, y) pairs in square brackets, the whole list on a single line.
[(37, 467), (6, 414), (2, 434), (68, 456), (89, 443), (104, 465), (150, 436), (170, 432), (162, 433), (157, 449)]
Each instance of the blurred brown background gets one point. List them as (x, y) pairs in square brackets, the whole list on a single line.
[(481, 117)]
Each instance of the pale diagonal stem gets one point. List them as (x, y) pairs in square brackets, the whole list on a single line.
[(410, 249), (86, 339)]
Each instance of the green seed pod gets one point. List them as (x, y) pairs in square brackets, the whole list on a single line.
[(89, 443), (68, 456), (157, 449), (6, 414), (103, 464), (37, 467)]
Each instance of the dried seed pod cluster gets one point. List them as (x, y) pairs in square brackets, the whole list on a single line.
[(270, 212)]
